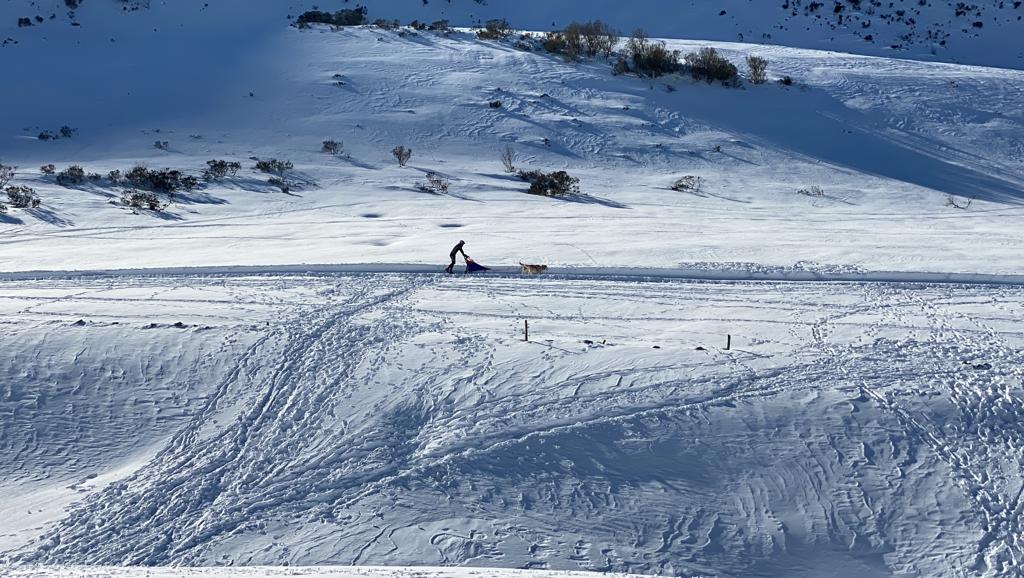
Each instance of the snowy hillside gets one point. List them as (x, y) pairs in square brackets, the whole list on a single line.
[(851, 430), (808, 365), (985, 32), (888, 144)]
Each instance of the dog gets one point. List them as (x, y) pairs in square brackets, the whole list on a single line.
[(533, 269)]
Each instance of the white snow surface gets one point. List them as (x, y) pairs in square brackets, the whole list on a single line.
[(260, 379), (861, 429), (887, 140), (280, 572)]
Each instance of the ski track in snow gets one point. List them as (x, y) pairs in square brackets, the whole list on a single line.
[(400, 419)]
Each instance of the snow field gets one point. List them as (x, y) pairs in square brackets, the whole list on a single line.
[(887, 140), (400, 419)]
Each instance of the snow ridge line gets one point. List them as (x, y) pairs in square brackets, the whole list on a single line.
[(712, 273)]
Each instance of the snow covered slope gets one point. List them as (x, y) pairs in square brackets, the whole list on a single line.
[(889, 142), (985, 32), (278, 572), (280, 416), (851, 430)]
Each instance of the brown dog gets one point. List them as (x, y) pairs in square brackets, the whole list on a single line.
[(533, 269)]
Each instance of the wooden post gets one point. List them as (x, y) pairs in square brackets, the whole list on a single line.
[(526, 330), (728, 342)]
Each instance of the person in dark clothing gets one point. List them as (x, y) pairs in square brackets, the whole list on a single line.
[(458, 249)]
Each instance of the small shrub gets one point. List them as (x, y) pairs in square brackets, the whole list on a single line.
[(417, 25), (3, 209), (402, 155), (589, 39), (508, 159), (161, 144), (435, 184), (387, 24), (952, 201), (651, 58), (708, 65), (46, 135), (73, 175), (280, 183), (274, 166), (688, 184), (786, 80), (347, 17), (554, 42), (115, 177), (498, 29), (165, 180), (813, 191), (620, 67), (141, 200), (6, 174), (94, 177), (757, 69), (218, 169), (440, 26), (494, 104), (22, 197), (23, 22), (68, 132), (555, 184), (333, 147), (48, 169)]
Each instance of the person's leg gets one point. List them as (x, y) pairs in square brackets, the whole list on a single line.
[(451, 267)]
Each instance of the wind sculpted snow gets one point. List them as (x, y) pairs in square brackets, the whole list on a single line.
[(401, 419)]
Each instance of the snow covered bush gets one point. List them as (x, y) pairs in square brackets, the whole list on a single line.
[(812, 191), (280, 183), (708, 65), (688, 184), (161, 144), (651, 58), (554, 42), (333, 147), (141, 200), (757, 69), (554, 184), (73, 175), (165, 180), (218, 169), (440, 26), (22, 197), (384, 24), (68, 132), (435, 184), (3, 209), (6, 174), (48, 169), (347, 17), (274, 166), (580, 40), (497, 29), (402, 154)]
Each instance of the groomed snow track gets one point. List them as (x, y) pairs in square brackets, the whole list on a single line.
[(706, 272)]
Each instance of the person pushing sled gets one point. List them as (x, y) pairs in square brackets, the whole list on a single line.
[(471, 265)]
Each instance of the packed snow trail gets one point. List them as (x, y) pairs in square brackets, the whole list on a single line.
[(400, 419)]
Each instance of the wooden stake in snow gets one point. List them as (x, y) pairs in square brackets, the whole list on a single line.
[(728, 342), (526, 330)]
